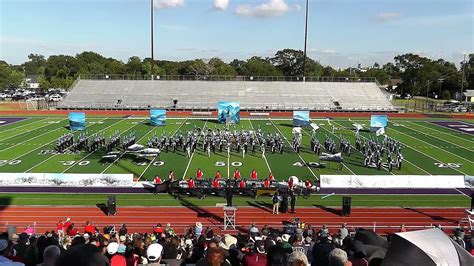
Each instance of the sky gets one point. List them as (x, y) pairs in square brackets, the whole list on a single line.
[(341, 33)]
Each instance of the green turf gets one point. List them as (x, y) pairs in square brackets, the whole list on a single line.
[(166, 200), (425, 145)]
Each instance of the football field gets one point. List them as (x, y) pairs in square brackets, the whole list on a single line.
[(438, 147)]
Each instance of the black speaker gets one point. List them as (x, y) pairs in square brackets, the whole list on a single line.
[(111, 205), (346, 206)]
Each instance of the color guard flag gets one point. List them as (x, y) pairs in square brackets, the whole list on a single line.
[(380, 131)]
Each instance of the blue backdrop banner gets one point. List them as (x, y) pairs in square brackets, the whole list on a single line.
[(157, 117), (378, 121), (300, 118), (228, 112), (77, 121)]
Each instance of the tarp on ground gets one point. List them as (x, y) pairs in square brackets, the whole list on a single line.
[(392, 181), (426, 247)]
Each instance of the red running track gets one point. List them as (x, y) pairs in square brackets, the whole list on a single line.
[(141, 219)]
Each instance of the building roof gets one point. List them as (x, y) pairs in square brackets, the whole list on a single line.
[(32, 78), (469, 93), (395, 82)]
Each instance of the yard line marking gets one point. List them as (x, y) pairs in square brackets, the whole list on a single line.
[(436, 137), (444, 133), (462, 193), (152, 161), (258, 141), (90, 153), (26, 132), (49, 158), (32, 123), (343, 164), (283, 135), (32, 138), (384, 166), (192, 155), (433, 145)]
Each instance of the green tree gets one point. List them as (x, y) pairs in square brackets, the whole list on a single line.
[(220, 68), (135, 67), (257, 66), (33, 65), (10, 77)]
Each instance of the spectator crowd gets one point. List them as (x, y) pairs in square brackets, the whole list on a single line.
[(296, 244)]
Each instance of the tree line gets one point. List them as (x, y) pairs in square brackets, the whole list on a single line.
[(420, 75)]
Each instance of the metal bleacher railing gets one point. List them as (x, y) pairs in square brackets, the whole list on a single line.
[(181, 228), (226, 78)]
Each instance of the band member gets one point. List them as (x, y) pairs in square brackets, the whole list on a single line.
[(228, 194), (171, 176), (271, 177), (158, 183), (309, 187), (191, 183), (292, 201), (254, 174), (242, 183), (218, 174), (215, 183), (158, 180), (266, 183), (291, 183), (199, 174), (236, 174)]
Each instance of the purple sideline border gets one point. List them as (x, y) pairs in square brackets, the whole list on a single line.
[(456, 125), (10, 120), (130, 190)]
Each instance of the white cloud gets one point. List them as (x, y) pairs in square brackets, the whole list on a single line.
[(161, 4), (387, 16), (269, 9), (221, 4), (322, 51)]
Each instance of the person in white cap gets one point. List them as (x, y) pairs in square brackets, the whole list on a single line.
[(115, 257), (153, 254), (5, 249), (198, 229)]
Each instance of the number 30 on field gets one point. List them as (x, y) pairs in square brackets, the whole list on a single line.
[(69, 163)]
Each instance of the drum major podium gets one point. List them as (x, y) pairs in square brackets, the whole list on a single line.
[(229, 218)]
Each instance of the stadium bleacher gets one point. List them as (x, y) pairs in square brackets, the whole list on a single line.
[(204, 95)]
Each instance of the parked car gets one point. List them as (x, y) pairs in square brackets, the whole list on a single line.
[(55, 98)]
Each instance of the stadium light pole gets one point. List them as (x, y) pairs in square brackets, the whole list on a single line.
[(152, 53), (462, 78), (305, 40)]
